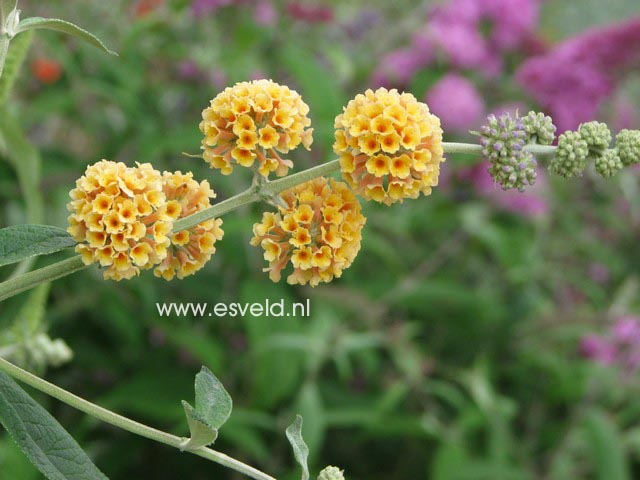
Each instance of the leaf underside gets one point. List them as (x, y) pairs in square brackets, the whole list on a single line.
[(42, 439)]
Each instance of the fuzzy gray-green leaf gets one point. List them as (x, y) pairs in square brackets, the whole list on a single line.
[(202, 434), (300, 449), (23, 241), (42, 439), (64, 27), (213, 402)]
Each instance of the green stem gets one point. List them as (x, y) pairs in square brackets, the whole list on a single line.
[(32, 279), (258, 191), (125, 423)]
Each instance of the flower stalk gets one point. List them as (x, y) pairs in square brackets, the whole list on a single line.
[(125, 423), (255, 193)]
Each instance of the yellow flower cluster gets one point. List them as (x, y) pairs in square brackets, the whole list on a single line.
[(190, 249), (250, 123), (319, 232), (390, 146), (120, 217)]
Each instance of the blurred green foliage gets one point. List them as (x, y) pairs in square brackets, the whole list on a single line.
[(448, 351)]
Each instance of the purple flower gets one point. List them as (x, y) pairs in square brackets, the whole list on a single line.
[(265, 13), (512, 21), (464, 46), (457, 102), (626, 330), (597, 348), (575, 78), (398, 67), (620, 346)]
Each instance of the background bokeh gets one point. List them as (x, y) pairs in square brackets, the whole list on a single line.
[(478, 335)]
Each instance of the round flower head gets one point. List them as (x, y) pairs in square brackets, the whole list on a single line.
[(609, 163), (119, 217), (628, 143), (331, 473), (390, 146), (596, 134), (540, 126), (571, 155), (249, 123), (190, 249), (319, 232), (503, 140)]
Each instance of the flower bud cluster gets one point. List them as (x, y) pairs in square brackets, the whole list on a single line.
[(609, 163), (539, 127), (571, 155), (331, 473), (503, 140), (628, 143)]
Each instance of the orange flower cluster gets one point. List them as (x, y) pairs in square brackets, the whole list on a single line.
[(319, 232), (390, 146), (120, 217), (250, 123), (190, 249)]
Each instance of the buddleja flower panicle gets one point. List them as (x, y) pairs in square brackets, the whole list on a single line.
[(318, 232), (609, 163), (539, 127), (628, 144), (390, 146), (190, 249), (120, 218), (503, 140), (251, 123)]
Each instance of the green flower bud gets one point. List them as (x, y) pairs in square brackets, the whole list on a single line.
[(331, 473), (571, 155), (541, 126), (609, 163), (503, 142), (628, 143), (596, 134)]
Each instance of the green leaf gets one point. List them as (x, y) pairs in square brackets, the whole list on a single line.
[(23, 241), (43, 440), (300, 449), (606, 447), (213, 408), (212, 400), (201, 432), (15, 58), (64, 27)]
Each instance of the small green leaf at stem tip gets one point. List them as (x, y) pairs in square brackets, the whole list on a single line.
[(213, 408), (212, 400), (300, 449), (41, 438), (24, 241), (64, 27), (202, 434)]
